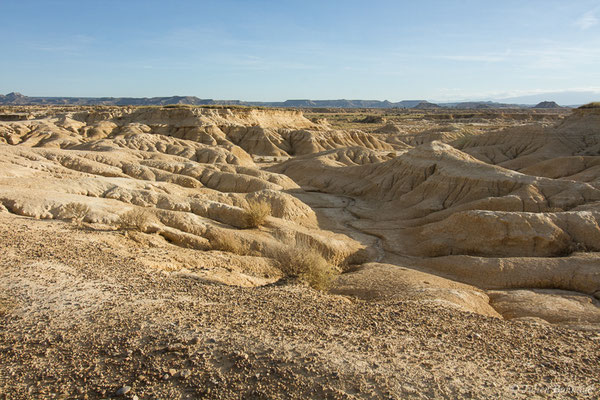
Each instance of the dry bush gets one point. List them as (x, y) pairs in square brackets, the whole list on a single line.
[(334, 256), (307, 264), (256, 213), (228, 243), (577, 247), (76, 212), (136, 219)]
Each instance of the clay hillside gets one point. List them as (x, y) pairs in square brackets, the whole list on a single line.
[(183, 252)]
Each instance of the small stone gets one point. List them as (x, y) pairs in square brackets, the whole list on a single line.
[(185, 373), (123, 390), (135, 397), (172, 372), (166, 376)]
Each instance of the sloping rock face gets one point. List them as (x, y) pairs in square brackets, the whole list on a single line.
[(383, 282), (555, 306)]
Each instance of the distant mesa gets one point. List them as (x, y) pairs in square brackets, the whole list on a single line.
[(20, 100), (547, 104), (14, 98), (299, 103), (425, 105), (480, 105)]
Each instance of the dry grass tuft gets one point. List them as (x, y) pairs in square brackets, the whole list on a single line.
[(256, 213), (332, 254), (228, 243), (307, 264), (76, 212), (136, 219)]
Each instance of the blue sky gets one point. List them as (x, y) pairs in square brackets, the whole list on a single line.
[(277, 50)]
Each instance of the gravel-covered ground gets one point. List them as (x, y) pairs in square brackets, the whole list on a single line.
[(83, 317)]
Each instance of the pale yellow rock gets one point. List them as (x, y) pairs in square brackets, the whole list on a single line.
[(555, 306), (384, 282)]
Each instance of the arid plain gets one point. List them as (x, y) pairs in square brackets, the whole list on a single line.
[(393, 254)]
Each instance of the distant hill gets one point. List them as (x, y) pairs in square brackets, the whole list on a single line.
[(565, 97), (480, 105), (425, 105), (20, 99), (342, 103), (547, 104)]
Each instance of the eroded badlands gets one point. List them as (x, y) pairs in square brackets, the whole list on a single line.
[(468, 253)]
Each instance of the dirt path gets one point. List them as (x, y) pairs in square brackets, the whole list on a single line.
[(334, 214)]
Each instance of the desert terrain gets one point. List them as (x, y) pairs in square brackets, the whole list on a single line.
[(175, 252)]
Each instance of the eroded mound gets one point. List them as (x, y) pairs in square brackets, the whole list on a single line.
[(184, 132)]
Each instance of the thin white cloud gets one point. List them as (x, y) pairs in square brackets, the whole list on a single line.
[(551, 56), (587, 20), (459, 94), (484, 57), (474, 58), (69, 45)]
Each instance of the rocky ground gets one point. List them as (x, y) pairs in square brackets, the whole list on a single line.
[(84, 317)]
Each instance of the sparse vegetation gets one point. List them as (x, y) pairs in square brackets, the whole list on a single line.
[(256, 213), (595, 104), (334, 255), (136, 219), (229, 243), (307, 264), (371, 119), (76, 212), (178, 106)]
